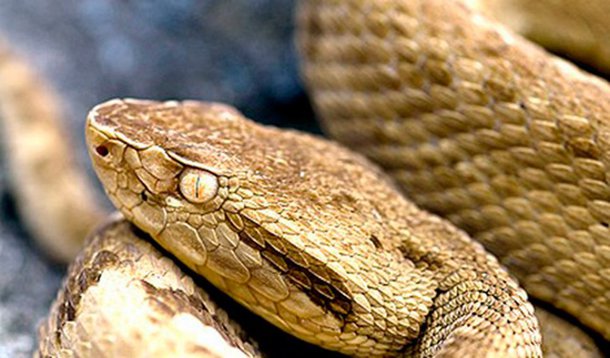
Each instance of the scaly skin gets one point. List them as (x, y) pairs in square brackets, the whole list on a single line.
[(306, 234), (124, 298), (88, 316), (480, 126)]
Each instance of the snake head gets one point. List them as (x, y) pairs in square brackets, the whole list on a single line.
[(156, 172), (266, 216)]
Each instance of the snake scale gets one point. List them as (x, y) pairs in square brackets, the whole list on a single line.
[(479, 126), (168, 313), (472, 122)]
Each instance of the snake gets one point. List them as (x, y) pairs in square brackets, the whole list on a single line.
[(480, 126), (471, 121)]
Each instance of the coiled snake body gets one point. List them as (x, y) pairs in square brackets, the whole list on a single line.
[(471, 121), (476, 124)]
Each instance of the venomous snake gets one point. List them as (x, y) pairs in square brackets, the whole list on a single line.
[(473, 123)]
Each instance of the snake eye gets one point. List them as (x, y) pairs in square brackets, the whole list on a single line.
[(198, 186)]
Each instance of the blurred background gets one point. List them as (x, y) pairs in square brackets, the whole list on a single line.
[(235, 51)]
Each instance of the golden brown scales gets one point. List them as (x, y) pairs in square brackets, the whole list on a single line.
[(478, 125), (124, 298), (9, 87)]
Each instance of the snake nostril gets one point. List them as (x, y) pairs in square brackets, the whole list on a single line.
[(144, 196), (102, 150)]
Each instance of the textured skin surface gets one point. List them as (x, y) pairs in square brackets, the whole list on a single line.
[(124, 298), (325, 249), (172, 329), (48, 187), (480, 126)]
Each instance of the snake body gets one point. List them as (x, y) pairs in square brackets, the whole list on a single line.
[(480, 126), (315, 238), (577, 29), (121, 277)]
